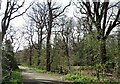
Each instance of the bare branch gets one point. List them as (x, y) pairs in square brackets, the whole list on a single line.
[(61, 11), (22, 12), (111, 26)]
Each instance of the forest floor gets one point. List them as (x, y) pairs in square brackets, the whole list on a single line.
[(31, 77)]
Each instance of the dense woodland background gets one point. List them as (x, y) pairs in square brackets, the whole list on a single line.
[(86, 44)]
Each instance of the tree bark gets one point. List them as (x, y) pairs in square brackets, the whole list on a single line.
[(48, 45), (39, 45), (0, 57), (103, 51), (48, 49), (68, 53), (118, 68), (30, 58)]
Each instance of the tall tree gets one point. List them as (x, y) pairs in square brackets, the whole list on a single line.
[(67, 27), (38, 17), (104, 18), (53, 13)]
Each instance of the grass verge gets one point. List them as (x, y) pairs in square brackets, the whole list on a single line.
[(13, 77), (16, 77), (77, 79), (80, 79), (33, 69)]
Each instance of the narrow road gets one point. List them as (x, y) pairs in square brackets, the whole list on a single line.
[(30, 77)]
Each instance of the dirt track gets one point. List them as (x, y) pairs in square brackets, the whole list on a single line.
[(30, 77)]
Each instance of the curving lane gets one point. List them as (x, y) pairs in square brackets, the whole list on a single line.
[(30, 77)]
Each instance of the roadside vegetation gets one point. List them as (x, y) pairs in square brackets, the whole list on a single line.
[(33, 69), (14, 77), (81, 75)]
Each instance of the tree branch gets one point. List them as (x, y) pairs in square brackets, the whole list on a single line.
[(22, 12), (55, 16), (114, 24)]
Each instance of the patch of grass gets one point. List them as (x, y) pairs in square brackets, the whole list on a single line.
[(80, 79), (77, 79), (37, 70), (82, 67), (16, 77), (33, 69)]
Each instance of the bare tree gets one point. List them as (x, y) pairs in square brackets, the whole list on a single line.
[(11, 12), (12, 8), (29, 49), (66, 30), (103, 17), (38, 16), (53, 13)]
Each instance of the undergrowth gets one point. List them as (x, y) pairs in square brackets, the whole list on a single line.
[(77, 79), (14, 78)]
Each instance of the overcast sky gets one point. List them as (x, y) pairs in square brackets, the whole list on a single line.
[(18, 22)]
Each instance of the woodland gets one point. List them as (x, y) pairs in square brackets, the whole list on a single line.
[(84, 47)]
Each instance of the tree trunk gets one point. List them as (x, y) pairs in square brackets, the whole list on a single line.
[(39, 46), (48, 49), (30, 58), (0, 57), (68, 52), (68, 56), (103, 50), (48, 45), (39, 54), (118, 68)]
